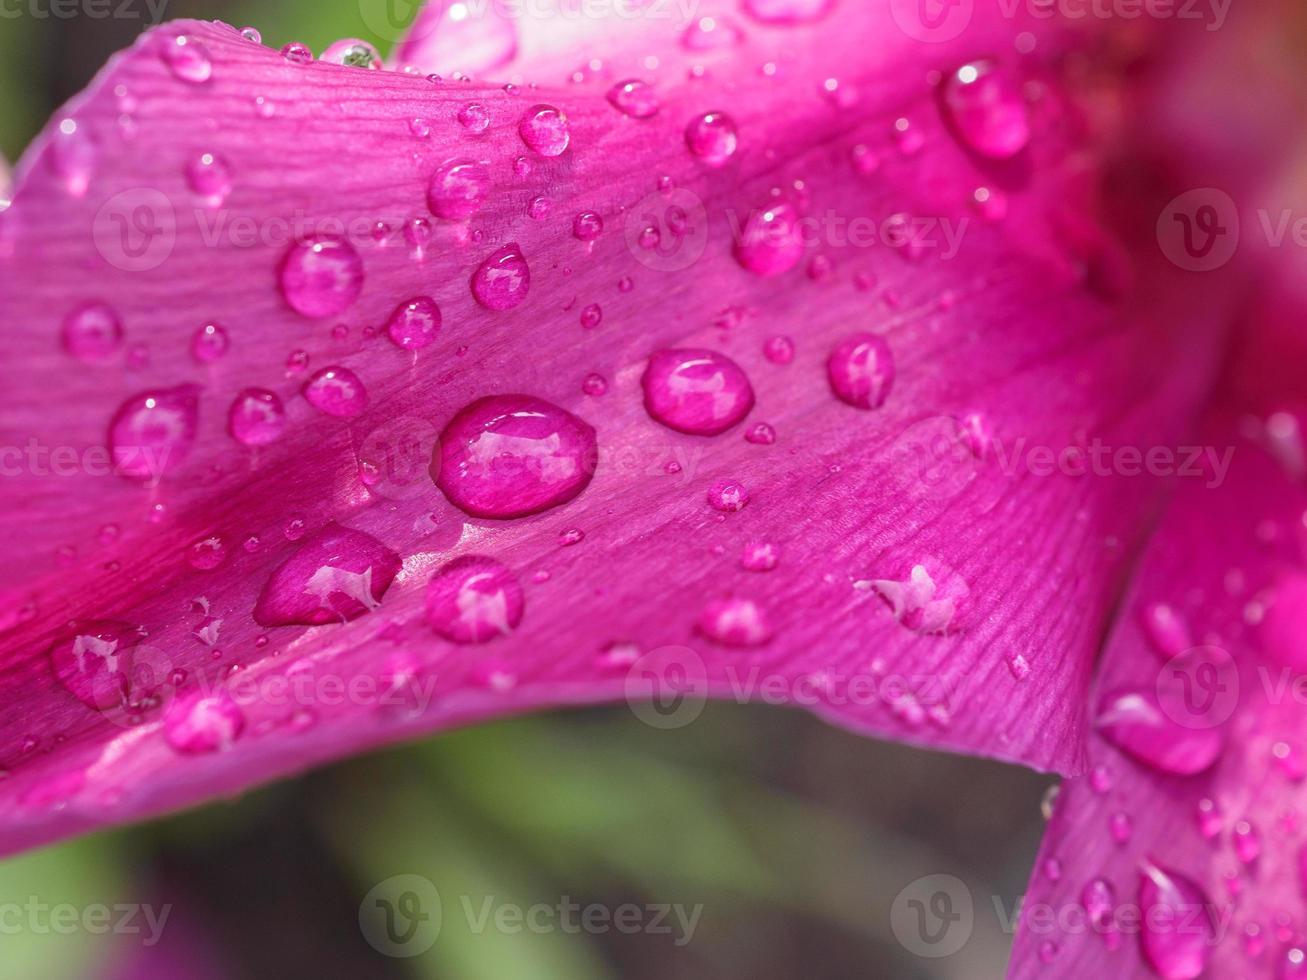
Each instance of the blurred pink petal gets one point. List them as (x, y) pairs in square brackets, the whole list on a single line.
[(220, 254)]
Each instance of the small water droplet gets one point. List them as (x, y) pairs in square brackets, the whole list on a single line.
[(256, 417), (779, 350), (771, 241), (92, 332), (595, 385), (474, 118), (512, 455), (153, 432), (698, 392), (591, 316), (712, 137), (987, 110), (634, 98), (336, 391), (187, 59), (458, 189), (503, 280), (711, 34), (735, 622), (197, 722), (297, 53), (861, 370), (209, 176), (473, 600), (587, 226), (544, 129), (321, 276), (760, 434), (728, 496), (415, 324), (353, 53), (208, 553), (760, 556), (209, 343)]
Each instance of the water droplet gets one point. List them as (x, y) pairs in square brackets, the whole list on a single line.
[(297, 53), (474, 599), (209, 176), (538, 209), (570, 536), (735, 623), (513, 455), (728, 496), (415, 324), (153, 432), (1167, 898), (95, 663), (634, 98), (771, 242), (352, 53), (587, 226), (779, 350), (986, 109), (712, 137), (207, 554), (209, 343), (1135, 723), (698, 392), (760, 556), (1122, 827), (544, 129), (1247, 842), (458, 189), (761, 434), (197, 722), (252, 34), (711, 34), (861, 370), (187, 59), (1018, 666), (256, 417), (92, 332), (503, 280), (595, 385), (336, 391), (591, 316), (474, 118), (336, 576), (321, 276), (419, 127)]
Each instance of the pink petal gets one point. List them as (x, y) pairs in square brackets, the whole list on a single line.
[(934, 584)]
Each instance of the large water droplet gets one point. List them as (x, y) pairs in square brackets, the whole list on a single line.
[(336, 391), (712, 137), (352, 53), (151, 433), (187, 58), (321, 276), (198, 722), (458, 189), (634, 98), (699, 392), (334, 577), (1168, 900), (544, 129), (256, 417), (512, 455), (1135, 722), (414, 324), (987, 111), (788, 11), (94, 664), (474, 599), (861, 370), (735, 623), (771, 241), (502, 280), (92, 332)]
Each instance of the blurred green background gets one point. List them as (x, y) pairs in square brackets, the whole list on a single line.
[(793, 837)]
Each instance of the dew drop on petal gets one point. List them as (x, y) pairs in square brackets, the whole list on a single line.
[(414, 324), (503, 280), (761, 434), (711, 34), (153, 432), (336, 576), (986, 108), (1247, 841), (634, 98), (94, 664), (352, 53), (779, 349), (587, 226), (698, 392), (760, 556), (187, 59), (728, 496), (92, 332), (1167, 629), (595, 385), (297, 53), (1121, 827), (73, 156), (209, 176), (336, 391), (512, 455), (1135, 722), (198, 722), (474, 118), (861, 370), (735, 622), (544, 129), (771, 241), (712, 137), (321, 276), (591, 316), (458, 189), (209, 343), (1166, 898), (207, 554), (256, 417), (473, 600)]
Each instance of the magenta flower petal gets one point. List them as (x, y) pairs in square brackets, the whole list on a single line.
[(280, 520), (1208, 830)]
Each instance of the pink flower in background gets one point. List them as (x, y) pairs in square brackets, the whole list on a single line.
[(827, 345)]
